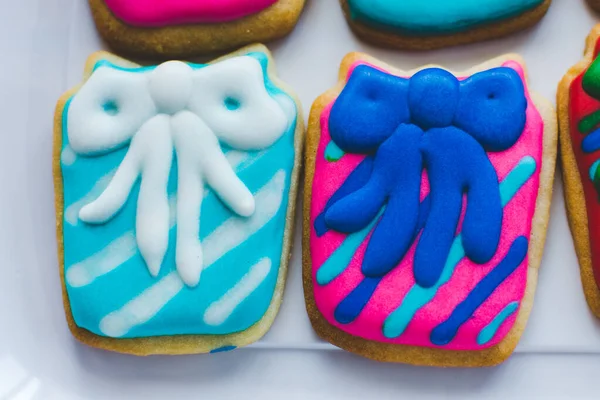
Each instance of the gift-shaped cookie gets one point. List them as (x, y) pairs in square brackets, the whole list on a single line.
[(427, 24), (579, 116), (175, 190), (426, 203), (184, 28)]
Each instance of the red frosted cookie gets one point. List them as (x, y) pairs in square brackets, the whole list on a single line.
[(183, 28), (579, 116), (426, 204)]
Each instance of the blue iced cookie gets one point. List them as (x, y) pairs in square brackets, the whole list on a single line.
[(175, 192), (429, 24)]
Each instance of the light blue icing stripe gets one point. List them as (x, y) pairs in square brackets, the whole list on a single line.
[(490, 330), (341, 257), (436, 16), (333, 152), (515, 180), (418, 297), (184, 313)]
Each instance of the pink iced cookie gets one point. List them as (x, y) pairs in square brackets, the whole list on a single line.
[(176, 29), (153, 13), (427, 196)]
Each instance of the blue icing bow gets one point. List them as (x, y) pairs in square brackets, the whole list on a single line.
[(435, 122)]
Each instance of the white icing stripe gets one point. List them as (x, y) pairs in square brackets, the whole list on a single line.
[(142, 308), (124, 247), (72, 211), (230, 234), (235, 158), (236, 230), (116, 253), (221, 310), (191, 111), (112, 256)]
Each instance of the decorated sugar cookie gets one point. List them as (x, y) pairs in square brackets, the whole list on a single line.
[(185, 28), (175, 195), (426, 202), (579, 116), (430, 24)]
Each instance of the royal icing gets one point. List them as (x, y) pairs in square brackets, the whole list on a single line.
[(421, 221), (176, 187), (584, 118), (436, 16), (156, 13)]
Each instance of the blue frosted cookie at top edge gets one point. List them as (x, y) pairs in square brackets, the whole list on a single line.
[(413, 19)]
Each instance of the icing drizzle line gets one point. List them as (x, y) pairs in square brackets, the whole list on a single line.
[(488, 333), (445, 332)]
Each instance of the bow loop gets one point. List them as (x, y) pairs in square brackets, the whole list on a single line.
[(369, 109), (492, 108), (108, 110), (232, 99)]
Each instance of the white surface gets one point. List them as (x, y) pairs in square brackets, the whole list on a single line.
[(44, 44)]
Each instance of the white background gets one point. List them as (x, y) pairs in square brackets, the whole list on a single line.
[(43, 47)]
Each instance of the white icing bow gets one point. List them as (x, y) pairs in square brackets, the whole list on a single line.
[(189, 110)]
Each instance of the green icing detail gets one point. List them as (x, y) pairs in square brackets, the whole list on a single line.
[(333, 153), (591, 85), (587, 124), (596, 179), (591, 79)]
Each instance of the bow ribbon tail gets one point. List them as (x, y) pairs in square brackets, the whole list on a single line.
[(149, 156), (200, 161)]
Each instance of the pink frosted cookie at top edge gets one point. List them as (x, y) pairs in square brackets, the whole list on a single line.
[(156, 13), (184, 28), (426, 208)]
